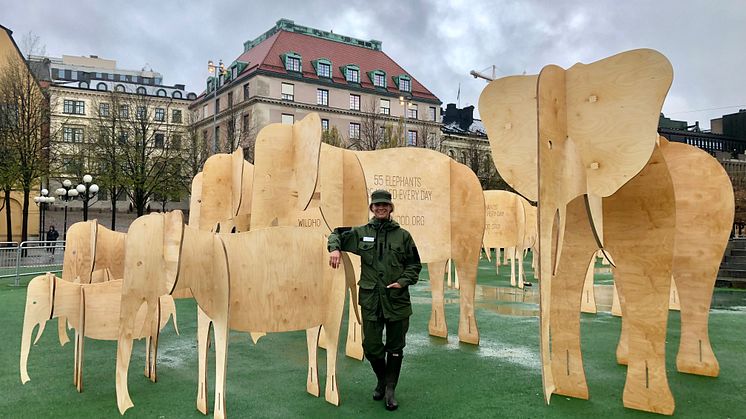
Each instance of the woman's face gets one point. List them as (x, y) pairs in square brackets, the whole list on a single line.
[(382, 211)]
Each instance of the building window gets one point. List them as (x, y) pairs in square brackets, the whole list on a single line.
[(353, 75), (433, 113), (245, 122), (103, 109), (355, 102), (142, 112), (141, 91), (324, 69), (411, 137), (110, 76), (246, 91), (216, 135), (322, 97), (217, 106), (83, 84), (119, 88), (75, 107), (124, 111), (379, 79), (287, 119), (354, 130), (292, 63), (160, 114), (204, 112), (412, 111), (405, 85), (385, 107), (288, 91), (72, 134), (176, 116), (325, 124), (230, 99), (74, 75), (176, 94), (102, 87), (161, 93), (159, 140)]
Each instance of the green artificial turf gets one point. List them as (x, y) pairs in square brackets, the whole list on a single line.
[(441, 378)]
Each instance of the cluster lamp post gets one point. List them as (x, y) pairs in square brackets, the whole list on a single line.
[(43, 200)]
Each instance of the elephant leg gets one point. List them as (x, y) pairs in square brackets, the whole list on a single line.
[(312, 339), (695, 352), (354, 345), (332, 392), (203, 342), (79, 342), (437, 325), (513, 282), (639, 228), (521, 274), (220, 330), (152, 349), (467, 325), (62, 330), (578, 248)]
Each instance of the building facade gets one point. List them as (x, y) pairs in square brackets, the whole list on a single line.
[(11, 56), (291, 70), (83, 93)]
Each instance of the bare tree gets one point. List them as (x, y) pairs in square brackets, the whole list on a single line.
[(331, 136), (28, 108), (429, 137), (372, 128), (195, 150), (148, 149), (247, 133)]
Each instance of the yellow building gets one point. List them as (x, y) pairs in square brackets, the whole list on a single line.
[(10, 53)]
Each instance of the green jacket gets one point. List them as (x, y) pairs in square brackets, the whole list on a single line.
[(388, 255)]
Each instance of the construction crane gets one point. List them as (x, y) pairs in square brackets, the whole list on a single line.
[(481, 75)]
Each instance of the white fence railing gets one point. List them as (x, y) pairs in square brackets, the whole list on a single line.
[(29, 258)]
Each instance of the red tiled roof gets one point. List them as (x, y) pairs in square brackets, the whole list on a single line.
[(266, 56)]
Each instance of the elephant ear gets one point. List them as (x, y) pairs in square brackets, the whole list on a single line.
[(286, 168), (508, 110), (195, 201), (237, 168), (173, 232), (217, 191), (613, 107), (80, 252), (306, 151)]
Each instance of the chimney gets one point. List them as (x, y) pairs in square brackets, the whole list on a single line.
[(451, 114), (466, 117)]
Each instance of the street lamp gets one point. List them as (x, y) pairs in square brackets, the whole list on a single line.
[(405, 101), (43, 201), (66, 193), (218, 70), (86, 191)]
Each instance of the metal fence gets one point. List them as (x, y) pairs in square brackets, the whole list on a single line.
[(30, 258)]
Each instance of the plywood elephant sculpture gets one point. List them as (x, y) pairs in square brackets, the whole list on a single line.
[(93, 253), (223, 193), (295, 176), (91, 309), (592, 165), (266, 291), (505, 226), (436, 199)]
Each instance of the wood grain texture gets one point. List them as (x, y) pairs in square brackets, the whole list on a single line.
[(109, 253), (704, 218), (639, 232), (80, 250), (505, 226)]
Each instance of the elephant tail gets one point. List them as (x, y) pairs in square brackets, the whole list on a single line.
[(351, 284)]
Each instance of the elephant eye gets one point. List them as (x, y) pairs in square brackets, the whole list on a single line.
[(34, 302)]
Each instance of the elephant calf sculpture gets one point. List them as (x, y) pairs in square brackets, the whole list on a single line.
[(242, 281), (91, 309)]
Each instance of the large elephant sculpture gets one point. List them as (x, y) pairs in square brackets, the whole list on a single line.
[(239, 284), (91, 309), (582, 142), (508, 224), (437, 199)]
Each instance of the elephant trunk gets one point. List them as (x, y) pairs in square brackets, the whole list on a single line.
[(39, 298)]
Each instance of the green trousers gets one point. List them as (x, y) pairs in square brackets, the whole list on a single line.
[(396, 333)]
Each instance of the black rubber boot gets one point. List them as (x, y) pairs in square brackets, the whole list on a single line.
[(393, 368), (379, 367)]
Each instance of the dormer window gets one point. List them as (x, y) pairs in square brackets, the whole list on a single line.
[(352, 73), (378, 77), (323, 68), (292, 62), (404, 83)]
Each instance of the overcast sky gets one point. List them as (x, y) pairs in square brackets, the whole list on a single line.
[(438, 42)]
